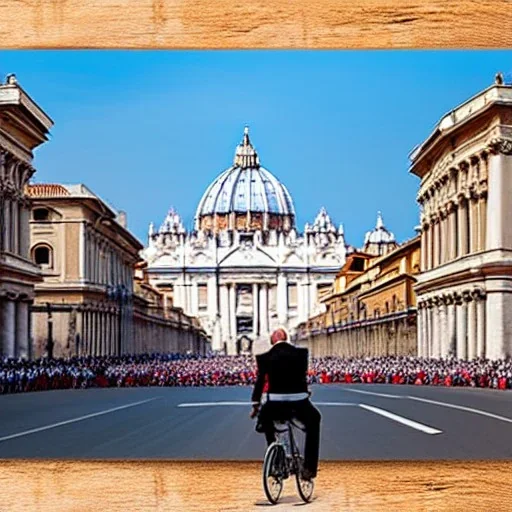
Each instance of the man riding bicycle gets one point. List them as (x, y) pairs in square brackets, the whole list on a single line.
[(284, 369)]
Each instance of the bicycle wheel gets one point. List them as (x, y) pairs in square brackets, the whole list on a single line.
[(273, 472), (305, 488)]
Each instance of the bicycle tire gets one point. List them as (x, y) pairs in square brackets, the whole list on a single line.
[(272, 456), (305, 488)]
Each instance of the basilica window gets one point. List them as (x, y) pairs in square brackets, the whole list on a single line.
[(202, 293), (292, 295), (41, 214), (43, 255)]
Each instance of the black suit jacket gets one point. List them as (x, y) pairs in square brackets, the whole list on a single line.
[(286, 368)]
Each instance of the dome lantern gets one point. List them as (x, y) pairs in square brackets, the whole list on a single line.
[(246, 197)]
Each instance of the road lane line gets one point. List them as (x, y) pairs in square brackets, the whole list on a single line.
[(74, 420), (335, 404), (207, 404), (372, 393), (462, 408), (400, 419)]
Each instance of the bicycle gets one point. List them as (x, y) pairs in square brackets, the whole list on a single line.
[(283, 459)]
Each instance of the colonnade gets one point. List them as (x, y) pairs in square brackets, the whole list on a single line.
[(102, 262), (454, 218), (14, 174), (16, 275), (453, 324), (15, 325), (395, 336)]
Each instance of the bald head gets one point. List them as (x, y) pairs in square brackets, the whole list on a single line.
[(278, 335)]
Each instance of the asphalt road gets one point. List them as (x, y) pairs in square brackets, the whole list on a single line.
[(359, 422)]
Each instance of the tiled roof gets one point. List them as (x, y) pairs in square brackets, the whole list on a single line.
[(46, 190)]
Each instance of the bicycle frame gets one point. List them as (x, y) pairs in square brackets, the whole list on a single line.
[(295, 452)]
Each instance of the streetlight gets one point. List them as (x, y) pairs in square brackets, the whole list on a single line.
[(120, 294)]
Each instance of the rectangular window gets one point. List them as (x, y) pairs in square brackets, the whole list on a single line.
[(292, 295), (202, 294)]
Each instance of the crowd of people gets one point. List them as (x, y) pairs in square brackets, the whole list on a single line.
[(216, 370)]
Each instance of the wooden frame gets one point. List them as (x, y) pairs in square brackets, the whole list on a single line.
[(68, 485), (255, 24)]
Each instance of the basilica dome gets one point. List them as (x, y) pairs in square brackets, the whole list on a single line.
[(380, 240), (246, 197)]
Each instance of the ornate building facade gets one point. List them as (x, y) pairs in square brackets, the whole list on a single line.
[(371, 310), (23, 127), (465, 195), (245, 269), (90, 301)]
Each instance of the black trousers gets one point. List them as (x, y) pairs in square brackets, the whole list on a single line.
[(305, 412)]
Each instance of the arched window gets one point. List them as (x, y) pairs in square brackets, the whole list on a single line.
[(41, 214), (42, 255)]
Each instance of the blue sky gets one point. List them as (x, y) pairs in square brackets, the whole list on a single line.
[(150, 130)]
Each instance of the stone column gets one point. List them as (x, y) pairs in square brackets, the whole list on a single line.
[(435, 243), (419, 331), (482, 215), (461, 327), (480, 315), (463, 227), (25, 231), (232, 312), (9, 328), (473, 224), (435, 329), (8, 224), (22, 324), (472, 328), (264, 310), (451, 323), (422, 330), (453, 230), (282, 299), (429, 310), (444, 237), (428, 249), (496, 197), (255, 301), (15, 226), (443, 332), (224, 313), (423, 250)]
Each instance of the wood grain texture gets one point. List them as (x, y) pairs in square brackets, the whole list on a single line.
[(232, 486), (255, 23)]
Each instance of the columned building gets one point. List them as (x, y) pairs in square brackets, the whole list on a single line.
[(23, 127), (245, 269), (465, 287), (93, 299), (87, 256)]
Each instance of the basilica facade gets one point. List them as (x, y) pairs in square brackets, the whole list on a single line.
[(245, 268)]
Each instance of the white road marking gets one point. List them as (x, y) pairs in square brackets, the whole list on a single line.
[(462, 408), (400, 419), (74, 420), (207, 404), (336, 404), (383, 395)]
